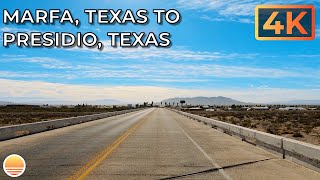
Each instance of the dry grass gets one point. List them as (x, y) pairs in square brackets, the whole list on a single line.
[(11, 115)]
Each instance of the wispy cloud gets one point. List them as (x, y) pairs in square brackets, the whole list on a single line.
[(220, 19), (305, 56), (14, 29), (173, 54), (23, 74), (176, 72), (151, 71), (181, 54), (14, 89), (43, 61), (233, 10)]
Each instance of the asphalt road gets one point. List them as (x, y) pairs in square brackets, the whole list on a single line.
[(149, 144)]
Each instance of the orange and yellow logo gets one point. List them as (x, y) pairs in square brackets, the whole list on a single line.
[(14, 165)]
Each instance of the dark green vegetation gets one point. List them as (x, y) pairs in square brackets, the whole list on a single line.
[(18, 114), (301, 125)]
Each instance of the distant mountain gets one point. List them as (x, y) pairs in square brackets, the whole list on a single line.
[(299, 102), (5, 103), (220, 101), (57, 102)]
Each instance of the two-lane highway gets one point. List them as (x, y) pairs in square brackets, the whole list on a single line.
[(150, 144)]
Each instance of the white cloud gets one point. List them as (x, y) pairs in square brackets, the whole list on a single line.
[(35, 89), (318, 33), (234, 9)]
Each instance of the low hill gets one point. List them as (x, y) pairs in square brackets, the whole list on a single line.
[(219, 101), (57, 102), (5, 103), (299, 102)]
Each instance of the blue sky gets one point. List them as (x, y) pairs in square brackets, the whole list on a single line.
[(214, 53)]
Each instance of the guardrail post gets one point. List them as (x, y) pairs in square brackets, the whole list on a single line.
[(283, 150)]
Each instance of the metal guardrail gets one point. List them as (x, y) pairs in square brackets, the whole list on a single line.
[(299, 152)]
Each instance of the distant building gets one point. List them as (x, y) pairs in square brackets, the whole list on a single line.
[(245, 108), (104, 106), (210, 110), (195, 109), (258, 108), (130, 106), (292, 108)]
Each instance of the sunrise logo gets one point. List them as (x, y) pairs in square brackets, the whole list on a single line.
[(14, 165)]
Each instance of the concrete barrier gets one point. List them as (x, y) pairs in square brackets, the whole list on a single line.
[(9, 132), (302, 153), (299, 152)]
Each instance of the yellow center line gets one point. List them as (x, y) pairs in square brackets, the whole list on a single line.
[(94, 162)]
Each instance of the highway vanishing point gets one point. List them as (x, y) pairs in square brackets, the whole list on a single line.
[(153, 143)]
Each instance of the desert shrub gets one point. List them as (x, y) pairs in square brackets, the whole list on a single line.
[(253, 125), (316, 124), (297, 134), (233, 120), (240, 116), (246, 123), (10, 115), (308, 129), (271, 130)]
